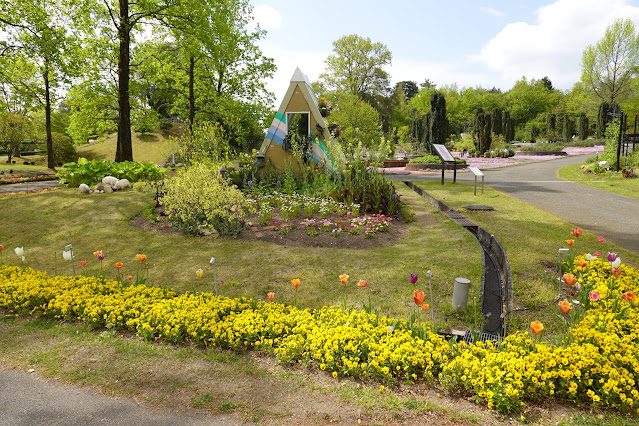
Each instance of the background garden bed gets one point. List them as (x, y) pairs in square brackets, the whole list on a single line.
[(426, 166)]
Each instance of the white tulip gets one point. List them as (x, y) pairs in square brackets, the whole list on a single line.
[(616, 263), (19, 251), (67, 255), (590, 257)]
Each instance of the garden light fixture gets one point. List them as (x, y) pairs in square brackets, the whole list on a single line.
[(67, 254)]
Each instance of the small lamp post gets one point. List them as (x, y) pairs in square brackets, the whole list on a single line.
[(212, 261), (429, 274), (561, 252), (68, 255)]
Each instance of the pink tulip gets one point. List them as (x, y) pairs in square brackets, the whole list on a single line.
[(600, 239), (594, 295)]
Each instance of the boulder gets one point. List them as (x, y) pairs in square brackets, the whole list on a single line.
[(122, 184), (99, 187), (84, 188), (108, 189), (109, 180)]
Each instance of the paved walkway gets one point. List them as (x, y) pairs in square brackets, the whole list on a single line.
[(612, 216), (29, 186), (26, 399)]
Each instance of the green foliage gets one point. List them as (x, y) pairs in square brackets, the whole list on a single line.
[(198, 197), (610, 66), (63, 149), (612, 141), (438, 122), (359, 121), (356, 67), (482, 131), (551, 122), (496, 120), (145, 120), (433, 159), (583, 126), (92, 172), (569, 129), (602, 119), (205, 144)]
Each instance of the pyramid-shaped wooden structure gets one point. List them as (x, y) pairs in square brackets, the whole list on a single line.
[(299, 99)]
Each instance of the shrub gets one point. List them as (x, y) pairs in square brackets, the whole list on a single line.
[(199, 197), (92, 172)]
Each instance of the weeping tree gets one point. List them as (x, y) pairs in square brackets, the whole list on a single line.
[(509, 127), (438, 123), (602, 119), (551, 125), (569, 128), (583, 126), (497, 121), (483, 131)]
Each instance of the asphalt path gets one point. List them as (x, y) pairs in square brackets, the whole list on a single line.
[(29, 400), (29, 186), (612, 216)]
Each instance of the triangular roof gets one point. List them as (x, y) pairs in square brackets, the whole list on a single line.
[(277, 131)]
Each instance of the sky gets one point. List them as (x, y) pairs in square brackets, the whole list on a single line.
[(471, 43)]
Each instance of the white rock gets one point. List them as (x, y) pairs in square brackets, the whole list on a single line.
[(109, 180), (84, 188), (122, 184)]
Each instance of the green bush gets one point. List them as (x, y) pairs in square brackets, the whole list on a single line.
[(433, 159), (199, 197), (63, 149), (92, 172)]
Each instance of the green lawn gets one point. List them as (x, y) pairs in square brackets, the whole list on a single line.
[(155, 147), (608, 181), (101, 222), (531, 238), (21, 170)]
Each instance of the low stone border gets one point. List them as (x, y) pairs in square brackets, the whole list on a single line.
[(540, 153), (428, 166)]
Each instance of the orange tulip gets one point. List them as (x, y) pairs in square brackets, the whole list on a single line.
[(119, 265), (582, 263), (130, 277), (343, 278), (565, 306), (425, 306), (83, 263), (270, 295), (569, 279), (295, 283), (576, 232), (418, 297), (140, 257), (97, 253), (362, 283), (616, 272), (536, 327), (570, 242), (629, 296)]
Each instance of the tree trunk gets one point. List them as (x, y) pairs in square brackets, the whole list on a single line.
[(191, 93), (47, 116), (124, 150)]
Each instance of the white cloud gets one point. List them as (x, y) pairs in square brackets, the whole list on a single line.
[(492, 11), (552, 46), (267, 17)]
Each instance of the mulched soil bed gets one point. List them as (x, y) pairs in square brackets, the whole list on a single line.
[(298, 237)]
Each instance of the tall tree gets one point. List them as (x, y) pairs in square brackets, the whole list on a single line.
[(483, 130), (38, 33), (438, 121), (583, 126), (610, 66), (356, 67)]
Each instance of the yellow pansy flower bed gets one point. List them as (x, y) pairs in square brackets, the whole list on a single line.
[(596, 365)]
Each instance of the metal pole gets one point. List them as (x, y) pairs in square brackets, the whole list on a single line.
[(455, 172), (443, 172), (619, 140)]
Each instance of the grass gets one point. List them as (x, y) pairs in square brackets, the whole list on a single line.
[(154, 147), (21, 170), (607, 181), (252, 269), (531, 238)]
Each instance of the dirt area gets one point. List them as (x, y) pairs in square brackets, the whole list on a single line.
[(291, 233)]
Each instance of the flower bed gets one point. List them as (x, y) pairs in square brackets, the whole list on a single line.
[(8, 181), (597, 363)]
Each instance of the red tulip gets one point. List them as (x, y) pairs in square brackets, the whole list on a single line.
[(576, 232), (570, 242), (418, 297), (362, 283), (616, 272), (629, 296), (271, 296)]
